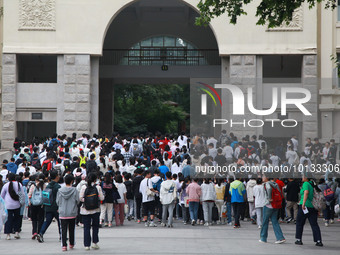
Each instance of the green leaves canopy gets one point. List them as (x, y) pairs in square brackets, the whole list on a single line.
[(149, 108), (273, 12)]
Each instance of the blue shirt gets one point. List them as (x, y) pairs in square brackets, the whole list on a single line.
[(164, 169)]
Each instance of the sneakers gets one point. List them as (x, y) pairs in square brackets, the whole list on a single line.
[(280, 241), (326, 224), (202, 222), (289, 220), (170, 226), (87, 248), (71, 247), (206, 224), (152, 224), (319, 243), (110, 225), (331, 221), (259, 227), (298, 242), (163, 225), (260, 241), (193, 222), (40, 238), (146, 224), (34, 236), (138, 221), (230, 224), (95, 246), (64, 248), (8, 237), (17, 236)]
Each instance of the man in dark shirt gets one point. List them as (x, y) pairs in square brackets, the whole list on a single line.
[(292, 198), (91, 165), (220, 159), (138, 196)]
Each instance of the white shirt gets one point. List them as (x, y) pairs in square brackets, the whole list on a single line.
[(275, 160), (295, 143), (228, 152), (182, 142), (121, 190), (213, 141), (175, 169), (33, 171), (144, 185), (21, 170), (4, 173), (260, 196)]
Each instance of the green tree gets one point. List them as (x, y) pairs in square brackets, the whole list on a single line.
[(150, 108), (271, 12)]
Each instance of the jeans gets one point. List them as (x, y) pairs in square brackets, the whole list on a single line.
[(185, 213), (138, 207), (37, 216), (193, 210), (69, 224), (329, 211), (130, 204), (259, 216), (229, 216), (207, 211), (312, 217), (237, 207), (13, 221), (168, 208), (48, 220), (158, 208), (91, 220), (119, 213), (270, 213)]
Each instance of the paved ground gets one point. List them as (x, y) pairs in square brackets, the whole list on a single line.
[(137, 239)]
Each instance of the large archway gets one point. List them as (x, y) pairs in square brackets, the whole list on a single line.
[(132, 56)]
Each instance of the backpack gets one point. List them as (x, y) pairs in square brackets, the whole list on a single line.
[(276, 197), (157, 185), (329, 194), (67, 164), (58, 169), (319, 201), (243, 152), (47, 197), (135, 149), (91, 198), (37, 197)]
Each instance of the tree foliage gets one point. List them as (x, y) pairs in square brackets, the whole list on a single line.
[(271, 12), (147, 108)]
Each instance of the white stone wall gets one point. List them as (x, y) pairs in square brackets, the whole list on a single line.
[(9, 80), (76, 115)]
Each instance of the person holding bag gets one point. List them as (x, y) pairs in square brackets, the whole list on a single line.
[(11, 195)]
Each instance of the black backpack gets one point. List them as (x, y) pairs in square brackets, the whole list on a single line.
[(91, 198)]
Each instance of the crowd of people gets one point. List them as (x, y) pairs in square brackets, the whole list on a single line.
[(92, 182)]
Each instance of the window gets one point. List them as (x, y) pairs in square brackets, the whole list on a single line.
[(282, 68), (37, 68)]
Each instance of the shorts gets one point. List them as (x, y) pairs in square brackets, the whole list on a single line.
[(149, 208)]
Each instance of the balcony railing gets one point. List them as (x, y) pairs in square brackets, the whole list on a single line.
[(146, 56)]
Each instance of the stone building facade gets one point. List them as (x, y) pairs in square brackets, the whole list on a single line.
[(73, 48)]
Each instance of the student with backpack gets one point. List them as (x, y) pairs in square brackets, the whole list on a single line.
[(10, 194), (36, 204), (168, 195), (91, 195), (271, 209), (50, 205), (119, 205), (307, 211), (67, 200), (106, 208), (328, 191), (129, 195)]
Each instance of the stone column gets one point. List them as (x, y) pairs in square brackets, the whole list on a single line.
[(95, 95), (243, 73), (77, 94), (310, 82), (9, 82)]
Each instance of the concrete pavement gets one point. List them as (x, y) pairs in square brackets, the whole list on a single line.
[(135, 238)]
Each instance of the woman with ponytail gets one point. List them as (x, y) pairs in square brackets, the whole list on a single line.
[(36, 205), (9, 193)]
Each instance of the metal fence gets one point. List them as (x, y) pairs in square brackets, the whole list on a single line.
[(145, 56)]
